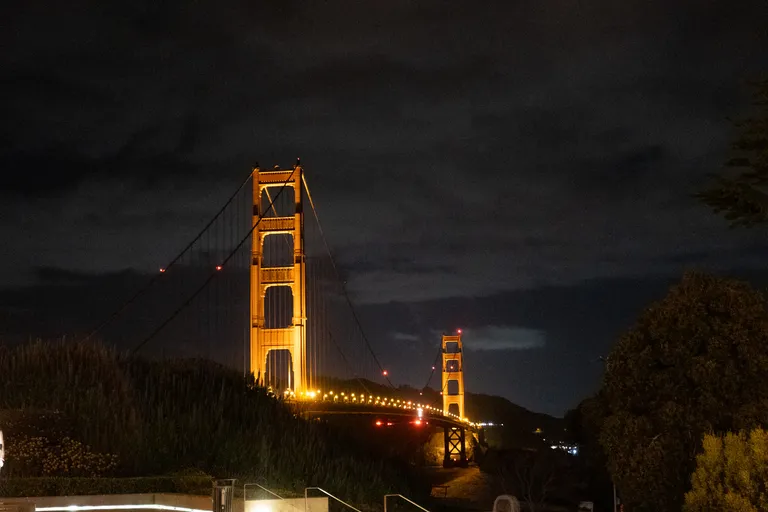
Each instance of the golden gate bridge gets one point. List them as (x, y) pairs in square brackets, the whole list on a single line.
[(258, 288)]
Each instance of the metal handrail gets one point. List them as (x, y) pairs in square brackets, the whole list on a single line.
[(306, 499), (403, 498), (270, 492), (273, 494), (245, 487)]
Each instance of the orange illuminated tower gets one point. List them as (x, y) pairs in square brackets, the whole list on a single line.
[(293, 337), (453, 375)]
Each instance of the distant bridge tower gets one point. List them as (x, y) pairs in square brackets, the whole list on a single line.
[(453, 399), (453, 375), (293, 337)]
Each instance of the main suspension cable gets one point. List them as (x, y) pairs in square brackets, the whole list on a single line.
[(212, 275), (164, 269), (343, 284)]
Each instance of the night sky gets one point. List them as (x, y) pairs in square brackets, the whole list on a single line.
[(522, 170)]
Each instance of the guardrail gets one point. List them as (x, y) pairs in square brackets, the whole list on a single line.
[(402, 498), (306, 498), (245, 495), (246, 486)]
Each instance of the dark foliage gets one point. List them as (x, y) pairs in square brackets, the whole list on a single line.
[(159, 417), (537, 477), (694, 362), (743, 198)]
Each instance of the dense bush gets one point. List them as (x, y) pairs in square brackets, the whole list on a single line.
[(156, 417), (695, 362), (57, 457), (731, 474)]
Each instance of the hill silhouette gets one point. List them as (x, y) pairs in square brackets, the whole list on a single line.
[(514, 426)]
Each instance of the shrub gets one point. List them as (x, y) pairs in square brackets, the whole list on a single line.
[(731, 474), (136, 417)]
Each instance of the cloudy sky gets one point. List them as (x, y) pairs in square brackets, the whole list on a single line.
[(520, 169)]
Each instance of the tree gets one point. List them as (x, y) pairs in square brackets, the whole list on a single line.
[(537, 477), (583, 429), (532, 475), (731, 474), (694, 362), (743, 199)]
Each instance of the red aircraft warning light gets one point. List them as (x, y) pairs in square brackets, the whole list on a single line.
[(385, 373), (218, 267), (379, 423)]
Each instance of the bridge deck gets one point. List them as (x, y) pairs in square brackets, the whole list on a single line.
[(414, 411)]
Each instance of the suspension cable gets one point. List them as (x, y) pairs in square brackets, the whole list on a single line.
[(346, 362), (343, 285), (212, 275), (164, 269), (434, 366)]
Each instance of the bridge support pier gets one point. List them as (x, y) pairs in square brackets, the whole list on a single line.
[(455, 447)]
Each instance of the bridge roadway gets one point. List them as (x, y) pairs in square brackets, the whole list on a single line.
[(392, 412), (383, 411)]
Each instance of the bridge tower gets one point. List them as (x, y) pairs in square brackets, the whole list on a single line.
[(453, 399), (293, 337), (453, 375)]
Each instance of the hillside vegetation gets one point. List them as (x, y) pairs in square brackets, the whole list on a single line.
[(79, 410)]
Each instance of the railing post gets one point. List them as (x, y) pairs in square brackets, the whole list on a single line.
[(404, 499), (223, 492)]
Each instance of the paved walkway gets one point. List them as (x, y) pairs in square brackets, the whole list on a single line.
[(466, 488)]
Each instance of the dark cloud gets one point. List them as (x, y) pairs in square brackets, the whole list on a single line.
[(455, 153)]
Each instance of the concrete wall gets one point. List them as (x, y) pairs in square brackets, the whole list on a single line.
[(287, 505), (122, 500), (187, 501)]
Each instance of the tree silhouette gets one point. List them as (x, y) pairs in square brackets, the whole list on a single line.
[(743, 198), (694, 362)]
